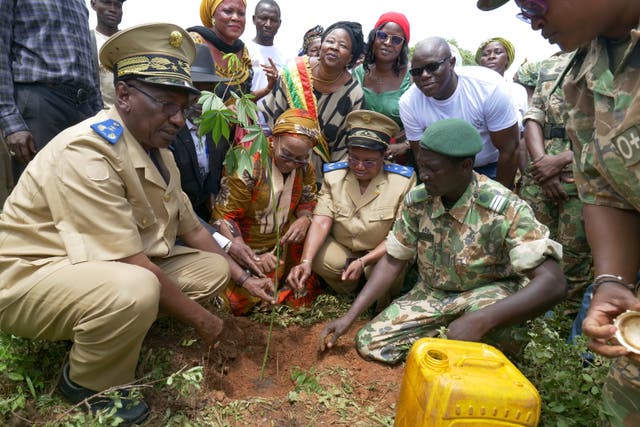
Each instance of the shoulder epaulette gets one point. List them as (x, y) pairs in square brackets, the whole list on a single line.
[(405, 171), (492, 201), (416, 195), (110, 130), (328, 167)]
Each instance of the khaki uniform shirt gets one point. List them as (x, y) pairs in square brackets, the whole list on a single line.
[(361, 221), (604, 124), (84, 198)]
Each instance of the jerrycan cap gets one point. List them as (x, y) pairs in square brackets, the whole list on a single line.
[(628, 333)]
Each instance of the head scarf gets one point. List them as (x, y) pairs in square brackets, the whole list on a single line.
[(208, 9), (354, 30), (298, 122), (396, 18), (308, 36), (511, 51)]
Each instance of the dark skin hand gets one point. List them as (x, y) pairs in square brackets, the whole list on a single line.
[(609, 301), (21, 143), (261, 287), (382, 277), (176, 304), (611, 234), (546, 287)]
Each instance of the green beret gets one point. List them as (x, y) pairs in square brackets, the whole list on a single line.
[(453, 138), (490, 4)]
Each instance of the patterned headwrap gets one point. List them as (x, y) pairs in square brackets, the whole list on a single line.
[(308, 36), (208, 8), (511, 51), (298, 122)]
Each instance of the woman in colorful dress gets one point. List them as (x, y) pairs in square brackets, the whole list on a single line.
[(268, 211), (324, 87)]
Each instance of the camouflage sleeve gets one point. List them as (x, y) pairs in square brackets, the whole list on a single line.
[(528, 240), (402, 239), (537, 108)]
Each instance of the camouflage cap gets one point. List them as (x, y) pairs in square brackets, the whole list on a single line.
[(369, 129), (490, 4), (527, 74), (453, 138), (158, 53)]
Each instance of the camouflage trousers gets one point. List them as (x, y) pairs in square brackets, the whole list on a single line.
[(621, 393), (422, 313), (566, 227)]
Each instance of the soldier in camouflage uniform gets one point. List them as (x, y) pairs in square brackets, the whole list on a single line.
[(548, 185), (602, 89), (484, 261)]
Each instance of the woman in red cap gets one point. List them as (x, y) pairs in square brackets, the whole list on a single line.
[(384, 75)]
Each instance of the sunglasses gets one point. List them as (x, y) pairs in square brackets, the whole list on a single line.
[(531, 9), (431, 67), (383, 37), (168, 108)]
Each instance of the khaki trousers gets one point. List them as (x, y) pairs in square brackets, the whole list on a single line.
[(329, 263), (106, 309)]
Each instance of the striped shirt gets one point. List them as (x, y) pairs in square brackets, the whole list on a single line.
[(44, 41)]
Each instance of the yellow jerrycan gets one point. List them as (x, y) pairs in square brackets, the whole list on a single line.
[(450, 383)]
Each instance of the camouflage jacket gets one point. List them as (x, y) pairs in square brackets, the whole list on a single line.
[(604, 124), (547, 103), (489, 235)]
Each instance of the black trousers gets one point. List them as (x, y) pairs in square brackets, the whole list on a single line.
[(47, 111)]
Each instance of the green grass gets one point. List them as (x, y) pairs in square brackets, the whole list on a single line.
[(29, 372)]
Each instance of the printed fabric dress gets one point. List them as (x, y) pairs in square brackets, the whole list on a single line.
[(260, 206)]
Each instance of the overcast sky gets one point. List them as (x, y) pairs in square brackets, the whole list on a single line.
[(457, 19)]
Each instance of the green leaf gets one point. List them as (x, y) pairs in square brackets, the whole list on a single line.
[(14, 376)]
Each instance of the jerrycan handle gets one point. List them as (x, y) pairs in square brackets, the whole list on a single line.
[(479, 362)]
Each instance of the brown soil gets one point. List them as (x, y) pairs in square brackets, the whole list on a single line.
[(232, 373)]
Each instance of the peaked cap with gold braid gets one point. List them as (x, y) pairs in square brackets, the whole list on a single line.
[(370, 130), (158, 53)]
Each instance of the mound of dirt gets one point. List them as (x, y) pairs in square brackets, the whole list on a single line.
[(232, 369)]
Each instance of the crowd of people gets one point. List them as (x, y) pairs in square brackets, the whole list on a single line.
[(440, 192)]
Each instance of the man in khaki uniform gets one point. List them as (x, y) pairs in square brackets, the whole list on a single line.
[(87, 237), (356, 207)]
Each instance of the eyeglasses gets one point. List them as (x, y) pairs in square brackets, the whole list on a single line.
[(383, 37), (288, 158), (531, 9), (168, 108), (431, 67), (368, 164)]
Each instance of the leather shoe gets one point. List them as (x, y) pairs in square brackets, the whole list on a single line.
[(131, 412)]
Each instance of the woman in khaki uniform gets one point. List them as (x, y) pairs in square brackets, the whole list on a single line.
[(356, 207)]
